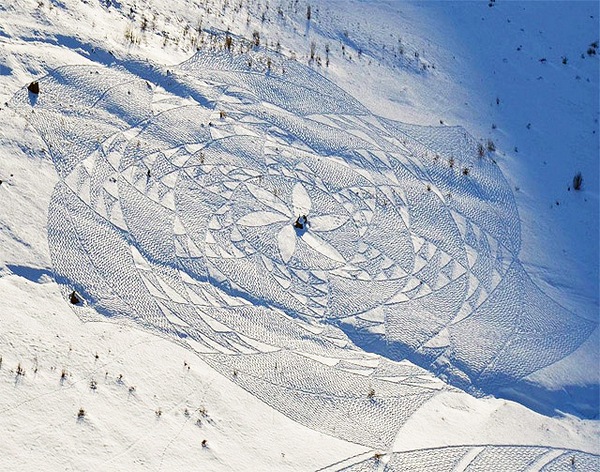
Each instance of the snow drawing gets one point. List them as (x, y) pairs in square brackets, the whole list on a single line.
[(302, 246), (473, 459)]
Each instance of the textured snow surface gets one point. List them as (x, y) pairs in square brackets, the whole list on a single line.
[(360, 280), (183, 222)]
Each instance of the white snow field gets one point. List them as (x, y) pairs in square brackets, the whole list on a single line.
[(292, 253)]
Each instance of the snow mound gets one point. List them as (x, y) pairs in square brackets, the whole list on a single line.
[(179, 208)]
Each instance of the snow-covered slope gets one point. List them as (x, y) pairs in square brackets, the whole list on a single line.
[(293, 252)]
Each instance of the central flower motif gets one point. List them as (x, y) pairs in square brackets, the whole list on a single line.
[(298, 220)]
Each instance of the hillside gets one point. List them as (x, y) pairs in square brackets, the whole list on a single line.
[(292, 236)]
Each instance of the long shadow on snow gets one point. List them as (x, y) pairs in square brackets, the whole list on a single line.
[(582, 401), (143, 69), (33, 274)]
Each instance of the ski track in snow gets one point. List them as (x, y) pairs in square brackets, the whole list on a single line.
[(181, 216)]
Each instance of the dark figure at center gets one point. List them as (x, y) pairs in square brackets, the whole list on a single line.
[(301, 222)]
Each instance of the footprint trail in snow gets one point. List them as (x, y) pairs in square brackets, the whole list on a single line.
[(178, 209)]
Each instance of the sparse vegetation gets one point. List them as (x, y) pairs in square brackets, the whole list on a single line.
[(130, 36), (34, 87), (480, 150), (74, 298), (313, 48), (577, 181)]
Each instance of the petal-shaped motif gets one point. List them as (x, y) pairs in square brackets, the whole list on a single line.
[(286, 239), (261, 218), (322, 246), (300, 200), (267, 198), (327, 222)]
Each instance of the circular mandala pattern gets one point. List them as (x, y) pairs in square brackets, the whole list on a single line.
[(283, 239)]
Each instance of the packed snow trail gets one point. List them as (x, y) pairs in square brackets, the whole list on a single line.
[(176, 209)]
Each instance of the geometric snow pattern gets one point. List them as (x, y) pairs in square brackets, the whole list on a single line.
[(476, 459), (269, 214)]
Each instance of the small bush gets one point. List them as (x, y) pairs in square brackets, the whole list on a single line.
[(465, 171), (81, 414), (130, 35), (491, 146), (371, 393), (480, 150), (74, 298), (577, 181), (34, 87)]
